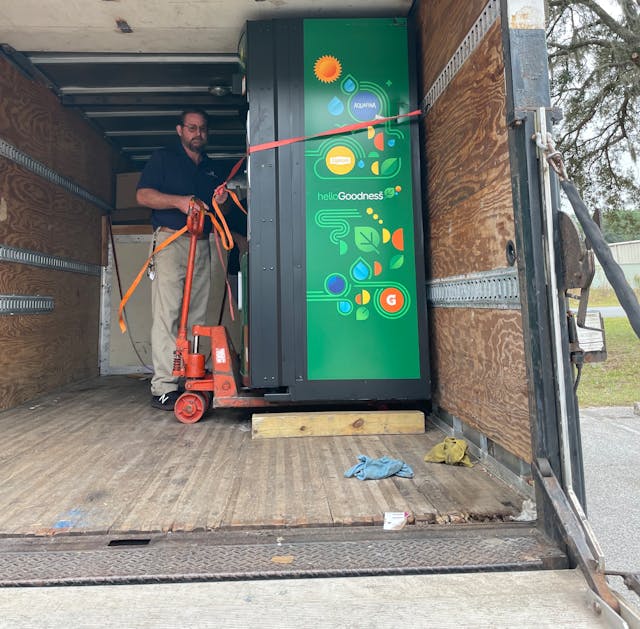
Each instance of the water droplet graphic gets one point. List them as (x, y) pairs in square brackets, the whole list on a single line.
[(336, 106)]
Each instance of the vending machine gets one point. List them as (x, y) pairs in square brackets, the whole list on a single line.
[(336, 292)]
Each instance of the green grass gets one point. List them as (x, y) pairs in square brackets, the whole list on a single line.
[(603, 297), (616, 381)]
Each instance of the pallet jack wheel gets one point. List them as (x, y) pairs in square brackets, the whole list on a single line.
[(191, 406)]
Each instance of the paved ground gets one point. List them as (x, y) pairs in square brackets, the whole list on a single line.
[(611, 450), (607, 311), (540, 599), (610, 311)]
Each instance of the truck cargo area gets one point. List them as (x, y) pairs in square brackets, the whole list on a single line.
[(398, 258), (94, 458), (98, 487)]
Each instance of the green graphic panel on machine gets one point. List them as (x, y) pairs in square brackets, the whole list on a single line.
[(362, 310)]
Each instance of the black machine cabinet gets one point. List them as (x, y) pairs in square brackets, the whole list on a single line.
[(337, 307)]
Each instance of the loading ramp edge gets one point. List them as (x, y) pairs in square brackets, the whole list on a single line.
[(273, 554)]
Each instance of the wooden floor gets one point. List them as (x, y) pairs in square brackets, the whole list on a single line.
[(96, 458)]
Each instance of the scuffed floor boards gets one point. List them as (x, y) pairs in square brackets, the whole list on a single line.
[(95, 458)]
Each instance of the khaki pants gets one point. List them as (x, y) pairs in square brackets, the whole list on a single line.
[(166, 303)]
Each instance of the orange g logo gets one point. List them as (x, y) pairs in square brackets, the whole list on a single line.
[(391, 300)]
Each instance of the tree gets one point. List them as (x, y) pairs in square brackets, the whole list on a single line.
[(594, 59), (618, 226)]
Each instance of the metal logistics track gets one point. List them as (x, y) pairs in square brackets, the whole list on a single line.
[(273, 554)]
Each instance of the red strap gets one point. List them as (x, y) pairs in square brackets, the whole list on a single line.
[(234, 196), (276, 143), (223, 263), (336, 131), (232, 172), (220, 226)]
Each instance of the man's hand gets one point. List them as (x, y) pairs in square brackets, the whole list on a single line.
[(220, 197), (149, 197), (185, 204)]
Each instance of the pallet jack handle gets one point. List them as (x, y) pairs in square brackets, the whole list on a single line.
[(195, 227)]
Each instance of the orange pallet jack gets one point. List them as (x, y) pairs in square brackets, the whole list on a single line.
[(205, 389)]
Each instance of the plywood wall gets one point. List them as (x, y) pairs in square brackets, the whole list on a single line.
[(442, 25), (478, 363), (468, 174), (42, 352)]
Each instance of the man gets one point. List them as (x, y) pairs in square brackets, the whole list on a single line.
[(168, 182)]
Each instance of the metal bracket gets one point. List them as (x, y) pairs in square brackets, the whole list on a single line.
[(488, 16), (600, 608), (25, 304), (630, 579), (15, 155), (490, 289), (519, 115), (578, 539), (46, 261), (578, 264)]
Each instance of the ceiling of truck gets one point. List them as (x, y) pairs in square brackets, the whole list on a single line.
[(131, 66)]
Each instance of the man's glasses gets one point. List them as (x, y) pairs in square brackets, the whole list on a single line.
[(192, 128)]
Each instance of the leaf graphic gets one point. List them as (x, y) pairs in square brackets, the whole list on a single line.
[(397, 261), (389, 166), (367, 238)]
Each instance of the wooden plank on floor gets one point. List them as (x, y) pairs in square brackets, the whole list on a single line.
[(325, 424)]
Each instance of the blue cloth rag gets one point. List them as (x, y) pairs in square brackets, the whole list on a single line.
[(374, 469)]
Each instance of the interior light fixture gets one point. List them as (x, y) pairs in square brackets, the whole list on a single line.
[(219, 90)]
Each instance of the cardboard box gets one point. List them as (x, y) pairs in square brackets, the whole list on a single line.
[(131, 216), (126, 190)]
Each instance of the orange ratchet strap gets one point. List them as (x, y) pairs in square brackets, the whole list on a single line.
[(134, 285), (221, 226)]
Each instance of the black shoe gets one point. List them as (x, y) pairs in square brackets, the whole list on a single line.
[(166, 401)]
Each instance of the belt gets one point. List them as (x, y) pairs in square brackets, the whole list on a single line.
[(173, 231)]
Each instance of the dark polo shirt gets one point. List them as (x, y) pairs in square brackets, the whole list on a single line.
[(172, 171)]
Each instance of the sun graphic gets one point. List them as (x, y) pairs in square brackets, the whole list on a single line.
[(327, 69)]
